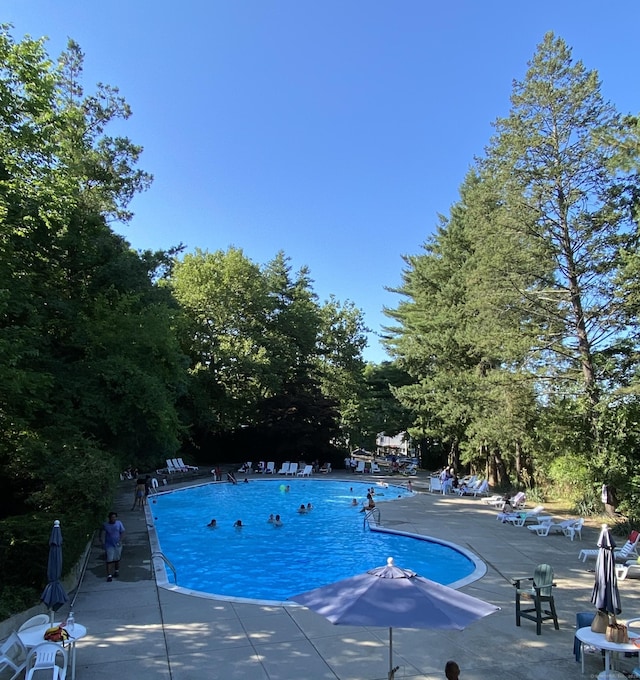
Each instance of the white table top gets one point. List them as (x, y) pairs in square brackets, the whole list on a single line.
[(599, 640), (31, 637)]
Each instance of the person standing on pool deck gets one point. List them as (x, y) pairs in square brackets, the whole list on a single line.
[(452, 670), (112, 533)]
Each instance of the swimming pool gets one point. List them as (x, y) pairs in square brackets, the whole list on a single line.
[(266, 563)]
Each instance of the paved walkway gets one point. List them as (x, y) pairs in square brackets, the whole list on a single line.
[(138, 630)]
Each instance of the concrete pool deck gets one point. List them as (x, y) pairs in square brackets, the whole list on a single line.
[(137, 630)]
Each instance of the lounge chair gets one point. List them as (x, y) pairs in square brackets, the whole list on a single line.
[(519, 519), (628, 550), (326, 469), (171, 467), (306, 471), (375, 468), (360, 467), (549, 525), (284, 469), (293, 469), (468, 489), (516, 501), (177, 466), (411, 469), (271, 466), (246, 467), (185, 466), (629, 567)]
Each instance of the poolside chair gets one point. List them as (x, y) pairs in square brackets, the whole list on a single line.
[(360, 467), (575, 529), (482, 489), (411, 469), (284, 469), (13, 655), (271, 466), (293, 469), (548, 525), (541, 593), (306, 472), (177, 466), (185, 466), (171, 467), (628, 550), (246, 467), (519, 519), (517, 501), (37, 620), (435, 484), (375, 468), (629, 567), (326, 469), (47, 656), (469, 489)]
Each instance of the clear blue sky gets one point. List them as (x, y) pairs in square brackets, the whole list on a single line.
[(334, 130)]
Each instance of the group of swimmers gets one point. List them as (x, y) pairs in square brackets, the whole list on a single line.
[(213, 524)]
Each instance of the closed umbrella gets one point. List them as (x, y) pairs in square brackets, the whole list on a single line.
[(395, 598), (54, 595), (605, 595)]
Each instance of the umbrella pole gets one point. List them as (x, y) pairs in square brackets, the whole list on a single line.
[(392, 670)]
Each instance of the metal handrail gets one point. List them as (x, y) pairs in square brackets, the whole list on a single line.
[(369, 515), (167, 561)]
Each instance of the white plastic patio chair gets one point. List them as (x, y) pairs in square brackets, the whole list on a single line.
[(360, 467), (306, 471), (284, 469), (13, 655), (574, 529), (37, 620), (47, 657), (293, 469), (271, 466)]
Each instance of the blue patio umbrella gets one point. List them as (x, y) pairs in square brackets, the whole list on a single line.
[(395, 598), (53, 594), (605, 595)]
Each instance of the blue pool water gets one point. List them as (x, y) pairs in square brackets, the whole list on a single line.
[(264, 562)]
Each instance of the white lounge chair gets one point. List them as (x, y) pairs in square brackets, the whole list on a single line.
[(517, 501), (519, 519), (628, 550), (270, 469), (185, 466), (284, 469), (629, 567), (360, 467), (177, 466), (548, 525), (246, 467), (293, 469), (306, 471), (326, 469), (171, 466)]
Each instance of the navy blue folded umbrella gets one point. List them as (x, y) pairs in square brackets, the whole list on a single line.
[(605, 595), (53, 594), (395, 598)]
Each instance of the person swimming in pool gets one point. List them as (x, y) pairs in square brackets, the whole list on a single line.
[(213, 524), (238, 524), (354, 502), (271, 518), (309, 507), (302, 509), (277, 522)]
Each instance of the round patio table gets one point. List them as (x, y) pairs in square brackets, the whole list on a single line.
[(34, 636), (599, 641)]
